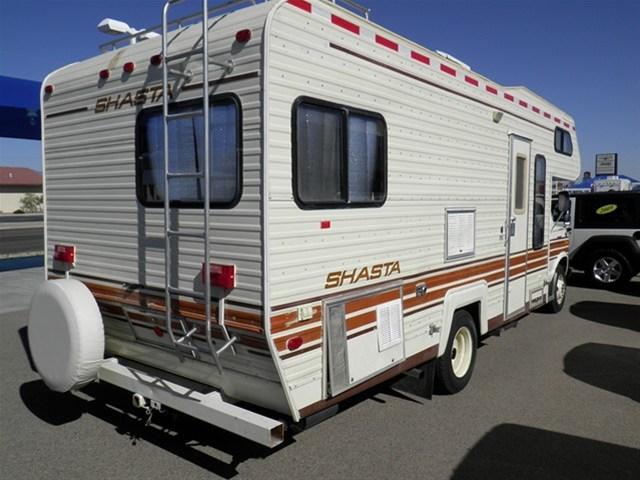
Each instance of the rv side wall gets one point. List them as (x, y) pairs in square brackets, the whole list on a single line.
[(445, 151)]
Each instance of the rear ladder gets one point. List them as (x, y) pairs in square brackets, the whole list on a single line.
[(183, 343)]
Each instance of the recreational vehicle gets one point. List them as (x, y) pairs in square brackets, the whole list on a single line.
[(252, 218)]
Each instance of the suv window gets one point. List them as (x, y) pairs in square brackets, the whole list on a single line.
[(607, 211)]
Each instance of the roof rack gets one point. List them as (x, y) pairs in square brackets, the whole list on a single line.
[(364, 11), (173, 24)]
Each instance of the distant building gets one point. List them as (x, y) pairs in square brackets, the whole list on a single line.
[(15, 182)]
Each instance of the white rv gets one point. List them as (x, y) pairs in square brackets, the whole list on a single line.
[(372, 207)]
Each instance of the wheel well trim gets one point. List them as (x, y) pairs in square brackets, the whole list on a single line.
[(461, 297)]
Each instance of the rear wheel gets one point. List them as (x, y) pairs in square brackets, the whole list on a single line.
[(455, 367), (608, 268)]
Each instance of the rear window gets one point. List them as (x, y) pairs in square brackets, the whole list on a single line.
[(186, 145), (562, 142), (608, 211)]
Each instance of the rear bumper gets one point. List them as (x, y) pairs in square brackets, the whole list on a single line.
[(207, 406)]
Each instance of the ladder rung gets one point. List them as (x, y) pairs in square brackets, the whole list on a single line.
[(187, 114), (186, 293), (187, 335), (226, 345), (185, 174), (178, 56), (175, 233)]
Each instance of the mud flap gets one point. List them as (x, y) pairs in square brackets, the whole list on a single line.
[(417, 381)]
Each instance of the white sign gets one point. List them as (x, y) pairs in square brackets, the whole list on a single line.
[(606, 164), (461, 233)]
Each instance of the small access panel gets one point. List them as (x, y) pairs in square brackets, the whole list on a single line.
[(365, 336)]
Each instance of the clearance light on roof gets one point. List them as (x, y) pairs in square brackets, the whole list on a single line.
[(128, 67), (243, 36), (65, 254), (223, 276), (48, 89), (156, 60), (104, 74)]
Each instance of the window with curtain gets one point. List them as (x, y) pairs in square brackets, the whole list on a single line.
[(540, 190), (186, 154), (339, 156)]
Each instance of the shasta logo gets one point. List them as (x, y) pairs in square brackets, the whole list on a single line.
[(349, 277), (130, 99)]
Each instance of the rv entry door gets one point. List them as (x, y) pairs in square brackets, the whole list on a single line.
[(518, 206)]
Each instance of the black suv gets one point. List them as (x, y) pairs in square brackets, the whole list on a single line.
[(605, 237)]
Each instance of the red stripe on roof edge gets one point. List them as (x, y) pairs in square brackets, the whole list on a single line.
[(508, 97), (448, 69), (302, 4), (420, 58), (385, 42), (346, 24), (471, 80), (523, 103), (567, 125), (547, 115), (490, 89), (535, 109), (556, 119)]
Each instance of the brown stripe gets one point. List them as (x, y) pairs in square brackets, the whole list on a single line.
[(362, 332), (433, 84), (190, 310), (300, 351), (307, 336), (223, 80), (366, 302), (282, 322), (410, 362), (67, 112), (360, 320)]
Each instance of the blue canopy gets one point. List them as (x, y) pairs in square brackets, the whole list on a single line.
[(19, 108), (589, 182)]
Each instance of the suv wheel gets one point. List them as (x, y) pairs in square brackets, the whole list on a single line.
[(608, 268)]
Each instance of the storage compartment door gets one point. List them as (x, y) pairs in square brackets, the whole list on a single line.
[(364, 337)]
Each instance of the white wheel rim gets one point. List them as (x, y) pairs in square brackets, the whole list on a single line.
[(461, 352), (607, 270), (561, 288)]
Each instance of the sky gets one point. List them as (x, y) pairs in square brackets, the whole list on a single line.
[(582, 55)]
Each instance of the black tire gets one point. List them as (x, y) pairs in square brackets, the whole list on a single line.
[(618, 272), (447, 380), (558, 286)]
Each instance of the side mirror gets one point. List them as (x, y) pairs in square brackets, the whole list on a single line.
[(564, 204)]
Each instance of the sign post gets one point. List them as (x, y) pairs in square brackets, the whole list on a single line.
[(606, 164)]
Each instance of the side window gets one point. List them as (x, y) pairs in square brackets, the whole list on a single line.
[(521, 183), (540, 190), (339, 156), (562, 142), (186, 156)]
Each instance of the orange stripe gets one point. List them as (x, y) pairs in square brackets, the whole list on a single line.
[(367, 302), (307, 336)]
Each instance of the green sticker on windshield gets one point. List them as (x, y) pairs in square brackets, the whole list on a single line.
[(603, 210)]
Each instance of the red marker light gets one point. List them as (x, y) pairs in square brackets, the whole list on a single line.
[(325, 224), (65, 254), (243, 36), (128, 67), (223, 276), (156, 60), (295, 343), (48, 89), (104, 74)]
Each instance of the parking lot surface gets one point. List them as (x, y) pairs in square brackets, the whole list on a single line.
[(556, 397)]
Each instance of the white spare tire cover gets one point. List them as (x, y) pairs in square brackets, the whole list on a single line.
[(66, 335)]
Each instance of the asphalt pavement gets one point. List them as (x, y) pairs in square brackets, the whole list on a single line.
[(556, 397)]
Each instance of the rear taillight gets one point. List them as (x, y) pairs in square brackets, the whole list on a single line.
[(156, 60), (104, 74), (128, 67), (65, 254), (223, 276)]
